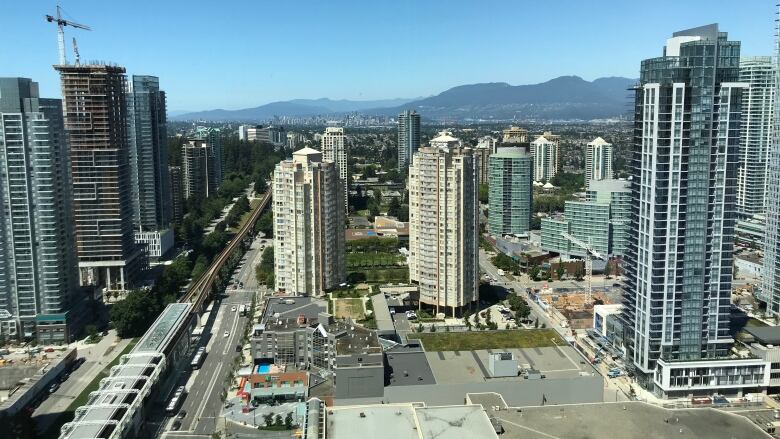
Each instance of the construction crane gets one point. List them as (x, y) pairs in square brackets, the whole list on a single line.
[(61, 23), (589, 253), (76, 52)]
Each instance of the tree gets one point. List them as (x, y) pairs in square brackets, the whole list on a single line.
[(394, 209), (288, 420), (265, 224), (533, 272), (133, 316), (268, 418), (419, 327), (278, 421), (433, 328), (378, 196), (91, 330), (484, 193), (559, 271), (607, 271), (260, 185)]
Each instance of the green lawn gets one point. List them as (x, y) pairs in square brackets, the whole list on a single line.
[(476, 340), (380, 275), (67, 415), (371, 260)]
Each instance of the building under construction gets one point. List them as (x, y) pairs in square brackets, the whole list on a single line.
[(94, 103)]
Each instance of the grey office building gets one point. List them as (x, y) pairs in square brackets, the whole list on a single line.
[(408, 137), (510, 191), (149, 154), (679, 261), (37, 268), (95, 108)]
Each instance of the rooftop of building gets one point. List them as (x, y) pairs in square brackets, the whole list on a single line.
[(408, 421), (764, 334), (283, 308), (621, 420), (609, 185), (354, 339), (542, 140), (598, 141), (408, 366)]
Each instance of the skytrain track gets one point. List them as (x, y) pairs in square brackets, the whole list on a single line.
[(199, 291)]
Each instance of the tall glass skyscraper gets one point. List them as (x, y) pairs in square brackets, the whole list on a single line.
[(37, 268), (149, 153), (510, 191), (408, 137), (757, 107), (679, 263), (770, 285)]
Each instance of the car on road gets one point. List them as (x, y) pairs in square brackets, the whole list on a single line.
[(176, 425), (49, 349), (182, 414), (226, 334), (54, 387), (233, 309)]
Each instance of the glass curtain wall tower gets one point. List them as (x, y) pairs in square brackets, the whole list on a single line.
[(408, 138), (37, 270), (679, 263)]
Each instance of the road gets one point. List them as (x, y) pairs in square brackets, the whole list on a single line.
[(204, 386), (97, 356), (520, 289)]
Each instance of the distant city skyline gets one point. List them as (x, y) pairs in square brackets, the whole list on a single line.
[(386, 51)]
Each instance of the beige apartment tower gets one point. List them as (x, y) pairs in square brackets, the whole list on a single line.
[(443, 225), (308, 208)]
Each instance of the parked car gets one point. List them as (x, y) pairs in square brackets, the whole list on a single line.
[(226, 334), (176, 425), (182, 414)]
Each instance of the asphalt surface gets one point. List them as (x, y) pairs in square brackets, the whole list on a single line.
[(204, 386)]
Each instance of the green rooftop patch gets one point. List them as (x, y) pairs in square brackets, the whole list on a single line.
[(477, 340)]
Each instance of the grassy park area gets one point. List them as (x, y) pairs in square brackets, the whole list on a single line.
[(476, 340)]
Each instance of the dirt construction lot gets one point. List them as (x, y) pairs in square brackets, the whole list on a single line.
[(352, 308)]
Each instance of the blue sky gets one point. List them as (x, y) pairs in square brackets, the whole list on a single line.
[(237, 54)]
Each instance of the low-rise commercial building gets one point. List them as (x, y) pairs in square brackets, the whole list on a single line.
[(301, 336)]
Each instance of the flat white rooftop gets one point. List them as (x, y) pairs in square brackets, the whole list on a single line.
[(406, 421)]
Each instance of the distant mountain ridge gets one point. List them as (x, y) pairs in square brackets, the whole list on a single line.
[(295, 107), (565, 97), (562, 98)]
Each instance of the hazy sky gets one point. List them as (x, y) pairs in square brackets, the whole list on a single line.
[(236, 54)]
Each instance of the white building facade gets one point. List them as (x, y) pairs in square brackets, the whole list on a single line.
[(598, 161), (308, 208), (334, 149), (545, 154)]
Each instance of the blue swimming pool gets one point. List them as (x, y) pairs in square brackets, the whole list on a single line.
[(263, 368)]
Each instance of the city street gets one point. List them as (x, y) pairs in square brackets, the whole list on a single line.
[(204, 386)]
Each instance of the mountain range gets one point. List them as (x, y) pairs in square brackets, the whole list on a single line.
[(562, 98)]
